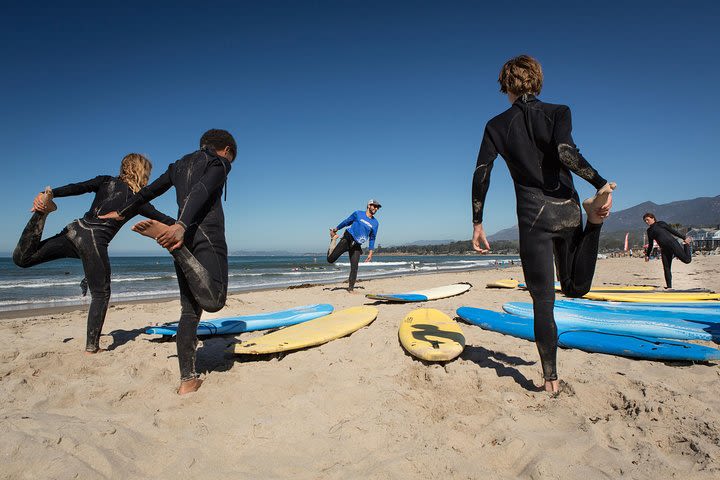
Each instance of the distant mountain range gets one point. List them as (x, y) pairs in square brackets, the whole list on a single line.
[(698, 212)]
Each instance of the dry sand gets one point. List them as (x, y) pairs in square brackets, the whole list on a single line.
[(357, 407)]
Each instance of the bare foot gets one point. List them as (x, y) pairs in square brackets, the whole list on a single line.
[(150, 228), (189, 386), (99, 350), (552, 386), (333, 242), (688, 240), (598, 207)]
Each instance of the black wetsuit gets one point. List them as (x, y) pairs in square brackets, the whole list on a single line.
[(347, 244), (535, 140), (201, 264), (86, 238), (664, 235)]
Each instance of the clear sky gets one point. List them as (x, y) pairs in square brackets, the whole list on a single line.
[(335, 102)]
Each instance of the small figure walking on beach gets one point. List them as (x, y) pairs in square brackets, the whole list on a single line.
[(664, 235), (362, 226), (88, 238), (535, 140), (196, 241)]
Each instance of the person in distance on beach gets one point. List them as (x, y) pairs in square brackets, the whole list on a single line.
[(362, 226), (660, 232), (87, 238), (535, 140), (196, 241)]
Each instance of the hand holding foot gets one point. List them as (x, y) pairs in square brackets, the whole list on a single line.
[(688, 240), (598, 207), (43, 202), (333, 233), (165, 235)]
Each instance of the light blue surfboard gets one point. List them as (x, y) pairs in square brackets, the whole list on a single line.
[(590, 340), (610, 322), (249, 323), (705, 308), (709, 316)]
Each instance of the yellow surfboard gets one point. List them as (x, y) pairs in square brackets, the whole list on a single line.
[(618, 288), (311, 333), (431, 335), (653, 297), (504, 283)]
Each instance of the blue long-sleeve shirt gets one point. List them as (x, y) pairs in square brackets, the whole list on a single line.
[(361, 228)]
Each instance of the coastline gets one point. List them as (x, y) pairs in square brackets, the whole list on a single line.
[(356, 407)]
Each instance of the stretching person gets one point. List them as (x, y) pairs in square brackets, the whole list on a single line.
[(363, 226), (535, 140), (663, 234), (196, 241), (87, 238)]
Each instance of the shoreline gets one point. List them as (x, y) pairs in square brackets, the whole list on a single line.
[(48, 310)]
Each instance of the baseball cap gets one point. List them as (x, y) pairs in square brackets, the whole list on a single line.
[(372, 201)]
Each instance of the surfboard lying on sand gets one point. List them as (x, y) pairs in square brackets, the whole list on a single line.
[(591, 341), (504, 283), (249, 323), (311, 333), (430, 335), (608, 322), (653, 297), (609, 288), (706, 311), (423, 295)]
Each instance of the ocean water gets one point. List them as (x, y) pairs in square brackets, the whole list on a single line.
[(58, 283)]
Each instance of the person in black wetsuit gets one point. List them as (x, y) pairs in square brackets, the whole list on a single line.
[(535, 140), (196, 241), (87, 238), (664, 235)]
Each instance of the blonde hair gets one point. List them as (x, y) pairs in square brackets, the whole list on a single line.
[(135, 171), (520, 75)]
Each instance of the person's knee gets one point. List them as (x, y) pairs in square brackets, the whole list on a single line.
[(19, 260), (213, 305), (100, 292)]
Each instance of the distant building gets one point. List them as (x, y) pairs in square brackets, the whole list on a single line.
[(704, 238)]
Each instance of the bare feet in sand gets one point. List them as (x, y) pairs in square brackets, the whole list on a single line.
[(150, 228), (598, 207), (189, 386)]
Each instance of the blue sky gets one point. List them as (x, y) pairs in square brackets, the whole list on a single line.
[(334, 102)]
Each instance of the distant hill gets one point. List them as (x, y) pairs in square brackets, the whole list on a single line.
[(703, 211)]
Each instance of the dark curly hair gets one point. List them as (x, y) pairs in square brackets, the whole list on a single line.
[(219, 139)]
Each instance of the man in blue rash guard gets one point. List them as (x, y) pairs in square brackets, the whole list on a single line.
[(362, 226)]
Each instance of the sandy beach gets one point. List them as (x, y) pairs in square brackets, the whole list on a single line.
[(357, 407)]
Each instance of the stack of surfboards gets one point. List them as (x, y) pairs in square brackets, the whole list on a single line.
[(639, 331), (310, 333), (249, 323)]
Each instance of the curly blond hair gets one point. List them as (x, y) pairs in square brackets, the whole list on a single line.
[(135, 171), (520, 75)]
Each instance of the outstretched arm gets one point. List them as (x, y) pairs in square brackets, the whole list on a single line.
[(71, 189), (146, 194)]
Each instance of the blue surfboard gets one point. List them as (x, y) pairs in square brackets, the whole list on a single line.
[(706, 315), (634, 346), (704, 305), (610, 322), (249, 323)]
